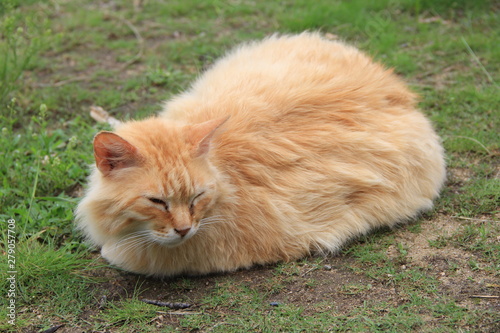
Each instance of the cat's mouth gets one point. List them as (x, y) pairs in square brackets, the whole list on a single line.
[(172, 238)]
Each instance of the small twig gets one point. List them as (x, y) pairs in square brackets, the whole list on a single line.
[(67, 319), (171, 305), (73, 79), (492, 285), (53, 329), (178, 313), (139, 38), (102, 116), (63, 82), (312, 269), (474, 56), (219, 324), (309, 271), (484, 296), (471, 219)]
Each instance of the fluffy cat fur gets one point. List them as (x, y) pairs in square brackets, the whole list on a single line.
[(285, 147)]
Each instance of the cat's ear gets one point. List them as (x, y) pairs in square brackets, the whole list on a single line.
[(200, 135), (112, 152)]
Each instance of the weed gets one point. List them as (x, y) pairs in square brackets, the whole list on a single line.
[(24, 37)]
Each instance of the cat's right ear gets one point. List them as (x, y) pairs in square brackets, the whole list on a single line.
[(201, 134), (112, 152)]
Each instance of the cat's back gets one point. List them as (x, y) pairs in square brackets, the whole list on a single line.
[(303, 100), (285, 73)]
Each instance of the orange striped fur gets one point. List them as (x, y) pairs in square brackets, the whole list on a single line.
[(285, 147)]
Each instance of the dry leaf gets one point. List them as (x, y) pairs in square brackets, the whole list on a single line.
[(102, 116)]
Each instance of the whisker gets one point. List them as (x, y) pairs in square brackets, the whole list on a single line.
[(134, 244), (213, 219), (213, 222), (209, 222), (136, 233), (213, 216), (132, 236), (150, 243), (132, 241)]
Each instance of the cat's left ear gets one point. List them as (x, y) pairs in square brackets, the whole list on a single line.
[(200, 135), (112, 152)]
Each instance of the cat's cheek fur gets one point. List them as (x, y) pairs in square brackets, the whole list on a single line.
[(111, 252)]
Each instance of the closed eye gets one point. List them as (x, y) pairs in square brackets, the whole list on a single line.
[(191, 206), (198, 195), (159, 202)]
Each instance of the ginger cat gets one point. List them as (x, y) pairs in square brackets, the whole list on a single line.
[(285, 147)]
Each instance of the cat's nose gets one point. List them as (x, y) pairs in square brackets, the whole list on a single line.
[(182, 232)]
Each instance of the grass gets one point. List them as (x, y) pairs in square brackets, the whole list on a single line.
[(59, 58)]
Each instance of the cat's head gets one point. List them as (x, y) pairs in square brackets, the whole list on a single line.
[(152, 180)]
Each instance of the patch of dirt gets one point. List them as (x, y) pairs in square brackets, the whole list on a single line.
[(450, 265), (315, 284), (417, 244)]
